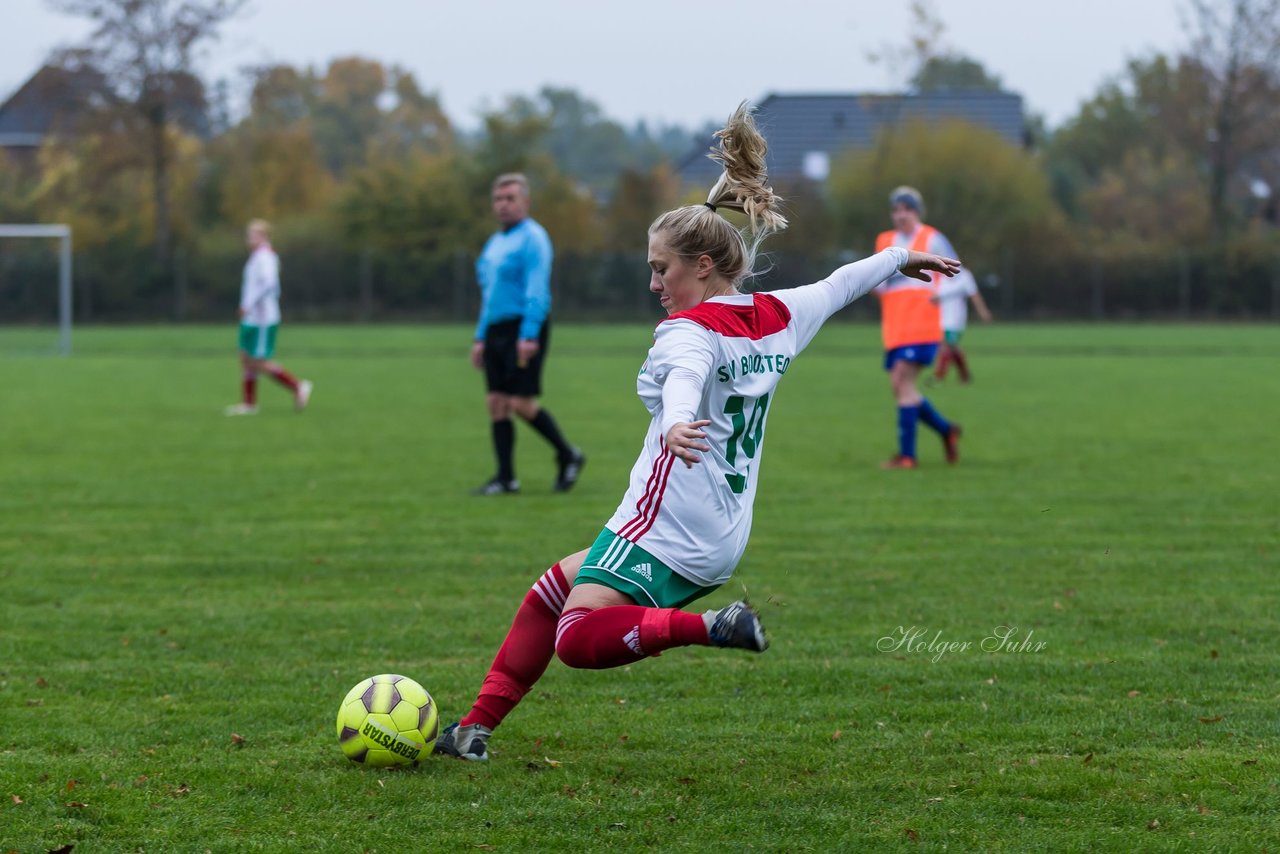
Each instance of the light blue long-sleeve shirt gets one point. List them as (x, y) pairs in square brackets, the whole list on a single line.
[(514, 272)]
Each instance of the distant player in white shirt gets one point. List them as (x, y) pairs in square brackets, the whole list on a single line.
[(951, 298), (709, 384), (259, 321)]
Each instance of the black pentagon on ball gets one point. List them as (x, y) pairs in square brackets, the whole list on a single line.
[(423, 713), (370, 693), (348, 732)]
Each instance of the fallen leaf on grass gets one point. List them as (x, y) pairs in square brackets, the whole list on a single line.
[(835, 736), (1154, 824), (1249, 762), (1204, 810), (935, 800), (685, 781), (237, 739), (1088, 759), (182, 789), (72, 783), (912, 835), (76, 805), (1212, 720), (1134, 693), (618, 825), (35, 702), (41, 682), (554, 763), (16, 800), (1213, 653), (66, 849)]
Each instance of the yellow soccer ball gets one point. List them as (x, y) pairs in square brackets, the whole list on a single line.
[(387, 720)]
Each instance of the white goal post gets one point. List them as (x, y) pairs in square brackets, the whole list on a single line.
[(63, 233)]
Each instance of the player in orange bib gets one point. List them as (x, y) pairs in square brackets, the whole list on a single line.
[(911, 326)]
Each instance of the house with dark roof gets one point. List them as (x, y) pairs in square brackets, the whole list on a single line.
[(807, 132), (59, 100), (48, 103)]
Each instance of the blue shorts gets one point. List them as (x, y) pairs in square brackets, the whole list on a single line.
[(921, 354)]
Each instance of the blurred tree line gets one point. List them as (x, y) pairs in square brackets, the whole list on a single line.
[(1159, 197)]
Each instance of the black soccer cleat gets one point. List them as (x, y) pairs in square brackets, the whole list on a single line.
[(570, 471), (464, 742), (737, 626), (497, 487)]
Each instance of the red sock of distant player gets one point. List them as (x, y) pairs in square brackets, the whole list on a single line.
[(961, 364), (249, 384), (624, 634), (283, 377), (944, 362), (526, 652)]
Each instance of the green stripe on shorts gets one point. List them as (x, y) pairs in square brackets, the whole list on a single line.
[(259, 342), (620, 564)]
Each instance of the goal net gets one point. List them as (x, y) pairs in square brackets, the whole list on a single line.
[(28, 273)]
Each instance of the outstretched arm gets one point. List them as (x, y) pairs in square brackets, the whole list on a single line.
[(920, 264), (811, 305), (981, 305)]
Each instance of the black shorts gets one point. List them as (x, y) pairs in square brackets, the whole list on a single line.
[(502, 373)]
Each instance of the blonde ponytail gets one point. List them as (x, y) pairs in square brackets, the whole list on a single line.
[(698, 230), (742, 187)]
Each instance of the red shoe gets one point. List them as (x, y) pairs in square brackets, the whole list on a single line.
[(951, 443), (898, 461)]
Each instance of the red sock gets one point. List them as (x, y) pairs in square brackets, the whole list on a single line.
[(526, 652), (283, 377), (250, 387), (623, 634), (944, 362), (961, 364)]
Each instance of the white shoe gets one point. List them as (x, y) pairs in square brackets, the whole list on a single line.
[(240, 409), (302, 395)]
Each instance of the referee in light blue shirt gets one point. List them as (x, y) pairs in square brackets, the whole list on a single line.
[(513, 334)]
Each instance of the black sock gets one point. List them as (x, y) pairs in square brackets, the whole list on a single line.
[(504, 446), (546, 425)]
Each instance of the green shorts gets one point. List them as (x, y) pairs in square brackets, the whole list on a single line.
[(952, 336), (622, 565), (258, 342)]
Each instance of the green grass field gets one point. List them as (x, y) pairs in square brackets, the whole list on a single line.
[(170, 577)]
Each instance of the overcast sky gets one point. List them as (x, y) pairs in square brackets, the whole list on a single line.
[(672, 61)]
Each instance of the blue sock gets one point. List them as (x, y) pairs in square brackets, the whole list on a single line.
[(907, 417), (934, 418)]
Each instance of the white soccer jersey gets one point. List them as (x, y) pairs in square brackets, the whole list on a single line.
[(260, 288), (721, 361), (953, 299)]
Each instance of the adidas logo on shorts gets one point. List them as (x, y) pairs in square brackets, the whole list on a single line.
[(644, 570)]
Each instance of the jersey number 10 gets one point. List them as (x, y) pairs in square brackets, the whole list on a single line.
[(748, 431)]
